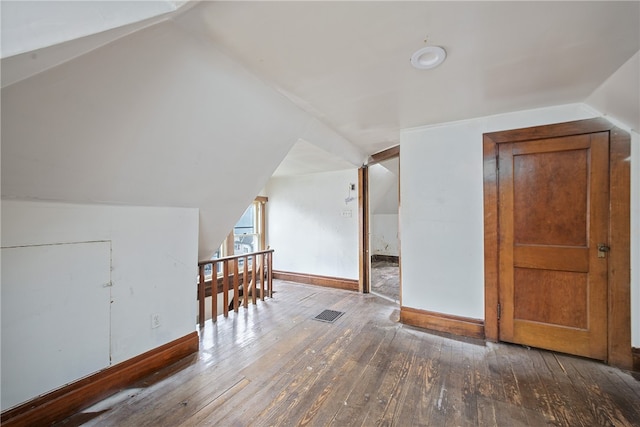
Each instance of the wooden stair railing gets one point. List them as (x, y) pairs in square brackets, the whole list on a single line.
[(242, 283)]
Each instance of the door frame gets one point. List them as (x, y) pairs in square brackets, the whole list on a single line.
[(363, 217), (619, 262)]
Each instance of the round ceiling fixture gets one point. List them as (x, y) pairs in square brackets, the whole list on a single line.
[(428, 57)]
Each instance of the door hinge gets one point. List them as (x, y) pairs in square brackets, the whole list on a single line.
[(497, 164), (499, 311)]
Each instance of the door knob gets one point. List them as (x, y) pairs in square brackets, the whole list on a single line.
[(602, 250)]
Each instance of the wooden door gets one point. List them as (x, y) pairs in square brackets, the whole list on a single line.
[(553, 199)]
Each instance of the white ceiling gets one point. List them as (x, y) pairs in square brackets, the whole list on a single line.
[(347, 63), (32, 25), (305, 158)]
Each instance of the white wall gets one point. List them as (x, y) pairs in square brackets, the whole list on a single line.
[(619, 95), (160, 117), (618, 98), (442, 212), (52, 335), (442, 208), (309, 224), (153, 258), (383, 207), (384, 234)]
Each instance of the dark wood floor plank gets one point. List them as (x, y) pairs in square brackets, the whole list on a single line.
[(469, 396), (384, 398), (462, 401), (629, 378), (603, 394), (486, 412), (271, 364), (507, 400), (268, 397), (385, 279), (409, 399), (567, 408), (431, 395), (533, 390), (392, 390), (322, 390), (486, 415), (324, 386), (452, 403), (350, 400), (230, 360), (304, 373), (201, 414), (557, 391), (151, 400), (530, 389), (411, 403)]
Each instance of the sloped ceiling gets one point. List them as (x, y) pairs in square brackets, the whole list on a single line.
[(156, 118), (305, 158), (619, 95), (348, 62), (32, 25), (383, 187)]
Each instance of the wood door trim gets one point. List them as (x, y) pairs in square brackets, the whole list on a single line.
[(364, 257), (490, 172), (557, 130), (380, 156), (620, 255), (636, 359), (363, 229), (619, 306)]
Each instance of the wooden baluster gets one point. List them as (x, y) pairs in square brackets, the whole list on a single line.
[(261, 271), (254, 267), (262, 277), (245, 283), (236, 291), (269, 275), (214, 292), (201, 295), (265, 275), (225, 288)]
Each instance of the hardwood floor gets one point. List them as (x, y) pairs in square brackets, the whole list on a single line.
[(273, 365), (385, 279)]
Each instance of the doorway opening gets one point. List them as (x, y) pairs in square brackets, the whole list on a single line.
[(381, 245)]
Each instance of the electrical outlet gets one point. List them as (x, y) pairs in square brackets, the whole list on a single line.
[(155, 320), (346, 213)]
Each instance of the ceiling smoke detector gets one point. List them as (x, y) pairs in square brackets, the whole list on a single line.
[(428, 57)]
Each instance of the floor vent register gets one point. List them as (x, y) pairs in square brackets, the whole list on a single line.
[(329, 316)]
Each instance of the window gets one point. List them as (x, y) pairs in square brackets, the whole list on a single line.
[(247, 236), (245, 233)]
